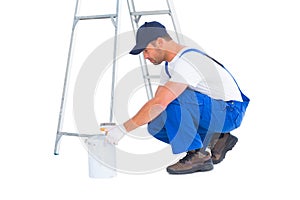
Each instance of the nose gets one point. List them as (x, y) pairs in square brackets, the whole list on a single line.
[(146, 56)]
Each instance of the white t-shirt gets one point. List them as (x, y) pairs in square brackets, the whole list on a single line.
[(201, 74)]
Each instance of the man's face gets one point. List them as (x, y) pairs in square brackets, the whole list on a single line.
[(153, 53)]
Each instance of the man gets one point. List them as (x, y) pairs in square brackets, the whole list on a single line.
[(196, 98)]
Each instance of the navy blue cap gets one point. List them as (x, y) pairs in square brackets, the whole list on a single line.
[(147, 33)]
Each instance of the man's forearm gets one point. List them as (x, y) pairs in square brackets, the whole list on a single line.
[(147, 113), (163, 96)]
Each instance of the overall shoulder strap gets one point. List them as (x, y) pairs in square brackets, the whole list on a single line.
[(167, 69)]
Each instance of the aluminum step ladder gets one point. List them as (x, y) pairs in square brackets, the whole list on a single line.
[(115, 21), (135, 17)]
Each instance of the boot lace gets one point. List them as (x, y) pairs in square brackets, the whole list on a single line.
[(189, 156)]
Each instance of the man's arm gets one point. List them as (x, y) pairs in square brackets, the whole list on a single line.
[(164, 95)]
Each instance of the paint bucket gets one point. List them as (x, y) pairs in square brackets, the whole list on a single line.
[(101, 155)]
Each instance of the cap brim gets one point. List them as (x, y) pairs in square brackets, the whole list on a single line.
[(137, 50)]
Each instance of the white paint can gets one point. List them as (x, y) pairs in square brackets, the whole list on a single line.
[(101, 155)]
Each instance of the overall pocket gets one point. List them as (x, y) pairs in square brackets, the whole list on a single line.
[(234, 115)]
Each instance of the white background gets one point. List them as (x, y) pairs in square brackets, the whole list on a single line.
[(257, 40)]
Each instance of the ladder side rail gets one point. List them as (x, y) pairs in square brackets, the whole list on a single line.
[(116, 25), (66, 81), (174, 21)]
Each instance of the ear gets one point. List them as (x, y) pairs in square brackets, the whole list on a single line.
[(160, 41)]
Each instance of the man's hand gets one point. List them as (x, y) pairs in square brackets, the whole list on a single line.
[(115, 134)]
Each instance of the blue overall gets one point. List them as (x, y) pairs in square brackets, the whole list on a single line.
[(189, 121)]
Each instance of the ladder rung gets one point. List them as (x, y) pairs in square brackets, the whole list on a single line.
[(152, 76), (96, 17), (76, 134), (157, 12)]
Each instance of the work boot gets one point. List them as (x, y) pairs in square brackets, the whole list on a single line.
[(194, 161), (220, 147)]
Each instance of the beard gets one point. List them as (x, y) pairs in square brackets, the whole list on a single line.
[(155, 62)]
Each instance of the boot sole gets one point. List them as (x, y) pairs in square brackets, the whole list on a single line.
[(202, 168), (228, 147)]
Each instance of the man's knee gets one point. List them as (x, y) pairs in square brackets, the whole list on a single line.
[(151, 128)]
